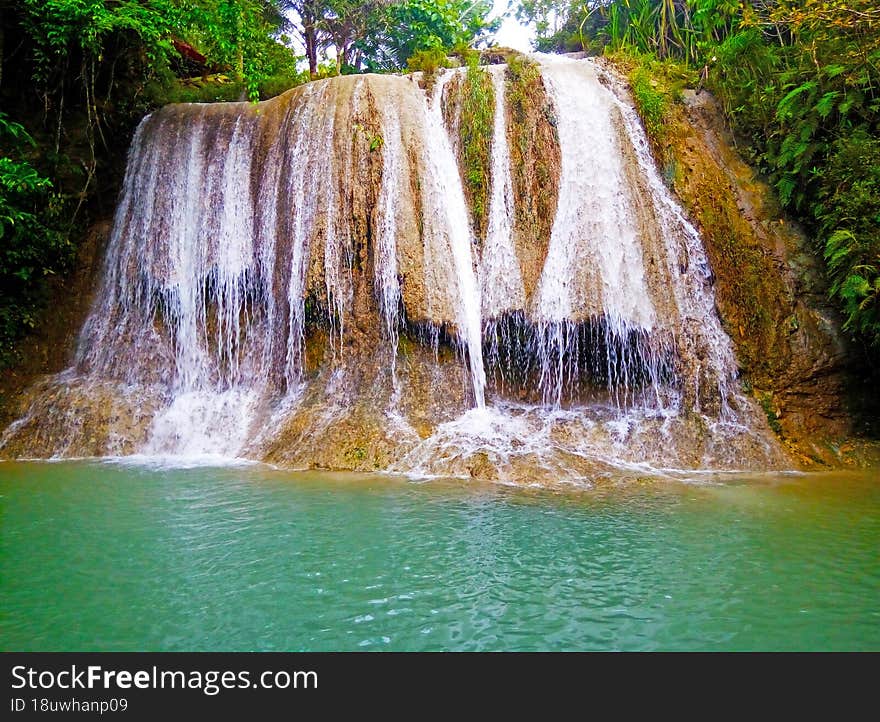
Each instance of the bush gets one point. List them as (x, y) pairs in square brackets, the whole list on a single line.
[(32, 246), (655, 86), (281, 83), (854, 267), (428, 61)]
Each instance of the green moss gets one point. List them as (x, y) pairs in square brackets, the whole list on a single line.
[(375, 140), (671, 171), (523, 85), (652, 102), (748, 278), (477, 113), (749, 289), (522, 74), (656, 87), (766, 401), (465, 53), (534, 150), (356, 454)]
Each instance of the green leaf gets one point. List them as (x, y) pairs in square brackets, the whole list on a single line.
[(826, 103)]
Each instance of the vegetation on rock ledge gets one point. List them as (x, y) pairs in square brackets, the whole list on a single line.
[(475, 129), (534, 151)]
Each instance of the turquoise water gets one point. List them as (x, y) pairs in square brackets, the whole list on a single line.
[(111, 556)]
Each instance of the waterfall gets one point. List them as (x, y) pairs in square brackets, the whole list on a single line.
[(595, 261), (692, 289), (387, 285), (310, 180), (299, 282), (448, 187), (594, 264), (502, 284)]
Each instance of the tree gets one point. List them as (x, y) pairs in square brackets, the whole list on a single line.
[(383, 34), (31, 246), (557, 22), (306, 21), (416, 25), (347, 25)]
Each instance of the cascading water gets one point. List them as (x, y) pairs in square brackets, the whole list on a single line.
[(448, 189), (594, 267), (502, 283), (692, 287), (594, 291), (387, 285), (275, 272)]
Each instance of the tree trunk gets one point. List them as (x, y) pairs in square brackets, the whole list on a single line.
[(341, 57), (310, 37), (312, 51)]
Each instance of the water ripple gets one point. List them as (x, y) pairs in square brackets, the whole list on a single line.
[(110, 556)]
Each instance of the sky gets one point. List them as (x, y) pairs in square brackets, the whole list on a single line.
[(512, 34)]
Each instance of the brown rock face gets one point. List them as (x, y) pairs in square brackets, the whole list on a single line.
[(768, 287), (536, 160)]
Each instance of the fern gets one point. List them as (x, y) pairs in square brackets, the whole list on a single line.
[(787, 106), (786, 187), (839, 247), (826, 103), (856, 282), (860, 292)]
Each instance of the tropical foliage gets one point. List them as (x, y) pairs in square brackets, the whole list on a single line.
[(428, 25), (383, 34), (31, 242)]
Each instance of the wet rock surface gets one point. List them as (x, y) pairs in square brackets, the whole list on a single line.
[(769, 286)]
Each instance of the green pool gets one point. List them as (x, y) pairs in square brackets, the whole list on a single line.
[(120, 556)]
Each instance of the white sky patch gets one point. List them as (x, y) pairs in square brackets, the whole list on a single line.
[(512, 34)]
